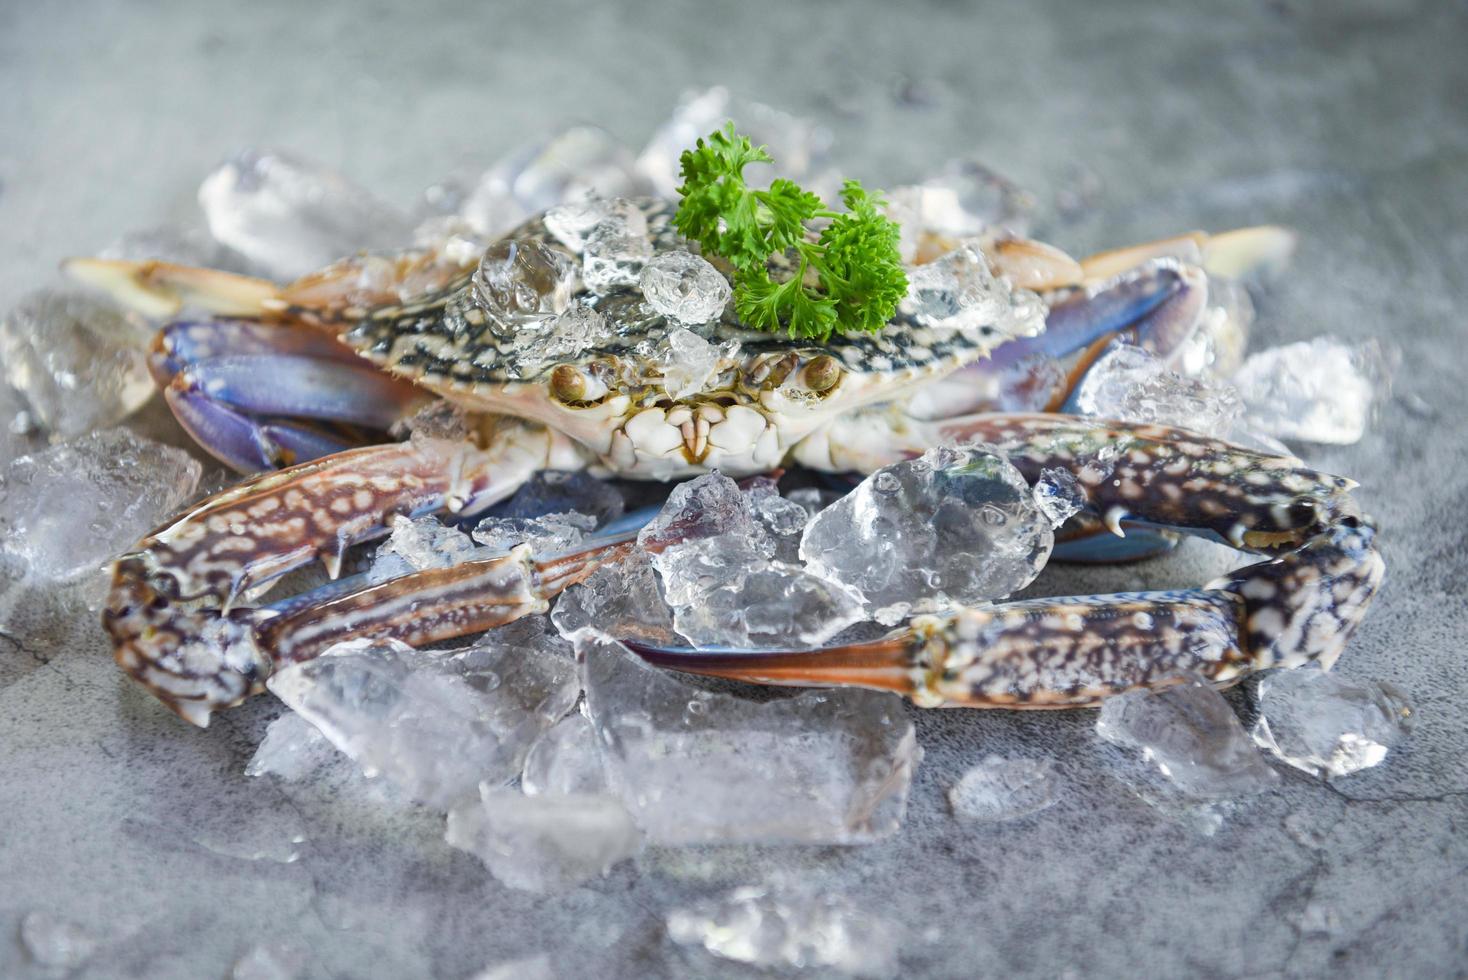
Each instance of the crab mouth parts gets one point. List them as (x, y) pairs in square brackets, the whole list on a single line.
[(695, 431)]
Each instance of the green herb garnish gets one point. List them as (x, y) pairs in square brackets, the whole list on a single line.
[(857, 269)]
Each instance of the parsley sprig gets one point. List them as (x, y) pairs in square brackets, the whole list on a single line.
[(854, 261)]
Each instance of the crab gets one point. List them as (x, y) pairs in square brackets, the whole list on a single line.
[(308, 386)]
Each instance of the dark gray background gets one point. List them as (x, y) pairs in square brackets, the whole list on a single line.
[(1346, 120)]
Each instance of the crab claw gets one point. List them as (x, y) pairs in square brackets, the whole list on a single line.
[(162, 289)]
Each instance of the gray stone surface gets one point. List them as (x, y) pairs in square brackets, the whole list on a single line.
[(1346, 120)]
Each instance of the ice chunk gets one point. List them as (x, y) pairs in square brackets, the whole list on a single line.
[(688, 362), (685, 287), (616, 252), (955, 526), (704, 535), (1059, 496), (537, 967), (571, 223), (79, 363), (543, 843), (565, 761), (54, 942), (1321, 390), (694, 766), (1191, 733), (520, 283), (547, 535), (1000, 789), (774, 605), (1133, 385), (960, 291), (539, 345), (419, 543), (555, 491), (798, 146), (434, 723), (783, 520), (292, 749), (622, 600), (1329, 725), (777, 930), (291, 217), (68, 509)]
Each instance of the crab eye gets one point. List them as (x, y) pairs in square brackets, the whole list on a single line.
[(821, 373), (570, 385)]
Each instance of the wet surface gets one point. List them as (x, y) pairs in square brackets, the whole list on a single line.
[(1127, 122)]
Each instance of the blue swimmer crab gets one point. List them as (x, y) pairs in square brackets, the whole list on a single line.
[(312, 376)]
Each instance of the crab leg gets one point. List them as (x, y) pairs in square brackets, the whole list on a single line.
[(174, 611), (1075, 651)]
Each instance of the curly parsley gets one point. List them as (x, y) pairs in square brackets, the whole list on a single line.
[(858, 277)]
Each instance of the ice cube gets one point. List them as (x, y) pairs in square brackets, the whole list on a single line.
[(434, 723), (544, 843), (685, 287), (519, 283), (420, 543), (556, 491), (290, 216), (1191, 733), (1321, 390), (547, 535), (565, 761), (1329, 725), (79, 362), (705, 534), (1133, 385), (958, 290), (69, 509), (616, 252), (784, 520), (798, 146), (694, 766), (954, 526), (772, 605), (688, 362), (622, 600), (293, 749), (54, 942), (1059, 496), (786, 930), (1000, 789)]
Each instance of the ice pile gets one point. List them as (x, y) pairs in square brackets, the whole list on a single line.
[(67, 510), (290, 216), (1321, 390), (546, 535), (693, 766), (718, 574), (1133, 385), (958, 290), (1192, 735), (1329, 725), (1000, 789), (954, 526), (685, 287), (79, 363), (416, 544), (434, 723), (777, 929), (557, 492)]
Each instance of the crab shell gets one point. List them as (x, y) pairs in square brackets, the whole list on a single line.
[(767, 393)]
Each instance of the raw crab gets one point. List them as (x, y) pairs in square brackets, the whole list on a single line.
[(310, 375)]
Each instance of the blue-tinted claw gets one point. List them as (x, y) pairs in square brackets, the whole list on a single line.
[(186, 342), (243, 443), (1097, 545), (302, 387)]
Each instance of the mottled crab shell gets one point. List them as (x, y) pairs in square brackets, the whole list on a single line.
[(767, 395)]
